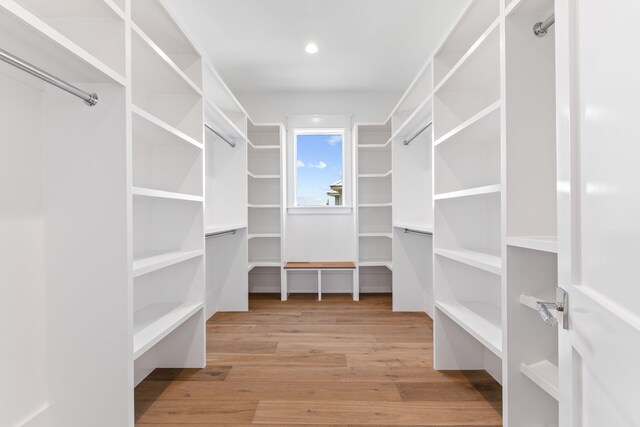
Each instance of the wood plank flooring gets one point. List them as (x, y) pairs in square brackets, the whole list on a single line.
[(304, 362)]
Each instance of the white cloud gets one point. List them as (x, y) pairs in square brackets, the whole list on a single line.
[(299, 164), (335, 139), (320, 165)]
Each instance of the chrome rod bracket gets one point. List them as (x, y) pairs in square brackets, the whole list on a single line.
[(562, 306), (541, 28)]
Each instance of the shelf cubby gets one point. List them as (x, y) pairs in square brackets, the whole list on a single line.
[(164, 161), (163, 93), (375, 249), (472, 299), (471, 157), (374, 137), (163, 299), (477, 18), (264, 162), (264, 136), (374, 220), (413, 98), (97, 26), (470, 227), (264, 191), (165, 225), (472, 87), (151, 17), (374, 162), (264, 250), (264, 221), (376, 190)]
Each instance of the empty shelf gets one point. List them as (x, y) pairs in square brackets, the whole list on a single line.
[(152, 128), (210, 229), (264, 236), (148, 192), (545, 375), (389, 235), (481, 320), (253, 265), (153, 261), (419, 228), (374, 205), (255, 176), (479, 125), (264, 206), (478, 191), (484, 260), (387, 264), (375, 175), (154, 322), (538, 243)]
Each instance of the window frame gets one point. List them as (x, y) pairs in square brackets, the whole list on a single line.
[(318, 131), (322, 125)]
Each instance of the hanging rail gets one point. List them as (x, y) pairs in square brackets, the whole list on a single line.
[(540, 28), (424, 233), (90, 99), (219, 234), (417, 134), (208, 126)]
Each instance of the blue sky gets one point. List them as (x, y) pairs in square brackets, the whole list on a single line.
[(319, 164)]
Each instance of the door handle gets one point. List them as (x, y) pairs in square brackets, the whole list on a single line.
[(562, 306)]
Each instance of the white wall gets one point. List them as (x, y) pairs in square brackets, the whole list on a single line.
[(323, 237)]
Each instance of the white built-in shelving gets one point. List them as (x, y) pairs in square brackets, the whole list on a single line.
[(468, 193), (167, 195), (266, 192), (531, 272), (374, 206), (64, 224)]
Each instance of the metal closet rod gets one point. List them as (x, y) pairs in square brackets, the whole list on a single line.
[(219, 234), (90, 99), (417, 134), (424, 233), (208, 126), (540, 28)]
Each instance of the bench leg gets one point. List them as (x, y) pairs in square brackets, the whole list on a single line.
[(284, 292), (319, 285), (356, 285)]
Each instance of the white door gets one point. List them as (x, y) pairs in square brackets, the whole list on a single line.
[(598, 69)]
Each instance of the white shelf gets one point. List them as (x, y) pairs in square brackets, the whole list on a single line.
[(254, 176), (264, 206), (223, 228), (420, 117), (36, 41), (388, 235), (420, 228), (375, 175), (387, 264), (263, 147), (478, 191), (384, 146), (148, 192), (264, 236), (154, 129), (217, 119), (258, 264), (537, 243), (154, 322), (165, 58), (478, 125), (483, 260), (153, 261), (545, 375), (481, 320), (375, 205)]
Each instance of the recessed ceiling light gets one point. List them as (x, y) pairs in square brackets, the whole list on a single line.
[(311, 48)]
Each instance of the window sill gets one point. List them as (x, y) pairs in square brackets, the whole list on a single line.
[(319, 210)]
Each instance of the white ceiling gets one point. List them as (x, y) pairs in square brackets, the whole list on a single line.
[(365, 45)]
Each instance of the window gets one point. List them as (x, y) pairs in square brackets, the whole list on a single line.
[(319, 167)]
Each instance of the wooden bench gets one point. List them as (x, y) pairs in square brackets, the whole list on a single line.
[(320, 267)]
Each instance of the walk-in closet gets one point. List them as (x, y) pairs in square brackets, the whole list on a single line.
[(319, 212)]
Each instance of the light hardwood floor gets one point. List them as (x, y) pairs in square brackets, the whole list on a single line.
[(334, 362)]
